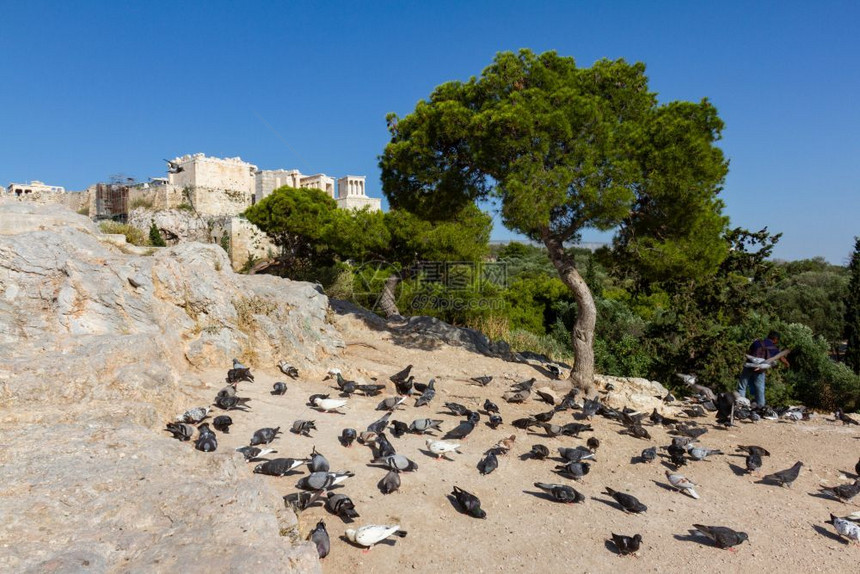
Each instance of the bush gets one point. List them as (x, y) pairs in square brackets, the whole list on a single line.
[(155, 238), (133, 235)]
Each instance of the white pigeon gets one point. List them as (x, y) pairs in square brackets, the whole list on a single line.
[(441, 447), (682, 483), (328, 405), (371, 534), (846, 528)]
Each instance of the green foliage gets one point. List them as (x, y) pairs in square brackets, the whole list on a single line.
[(133, 235), (155, 238), (852, 311)]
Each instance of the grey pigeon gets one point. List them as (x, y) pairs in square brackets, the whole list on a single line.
[(590, 407), (239, 374), (461, 431), (278, 466), (753, 462), (230, 403), (845, 528), (317, 462), (319, 536), (299, 501), (573, 429), (303, 427), (379, 425), (575, 454), (575, 470), (722, 536), (264, 435), (238, 364), (627, 501), (785, 477), (698, 453), (690, 431), (390, 482), (483, 381), (322, 480), (524, 385), (279, 388), (539, 452), (427, 395), (561, 492), (844, 492), (490, 407), (489, 463), (180, 431), (649, 454), (627, 544), (222, 423), (206, 440), (341, 505), (495, 421), (469, 503), (288, 369), (397, 462), (383, 446), (347, 437), (457, 409), (252, 452), (390, 403), (752, 449), (193, 416), (421, 426), (228, 391)]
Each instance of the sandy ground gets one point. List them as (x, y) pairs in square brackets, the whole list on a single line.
[(524, 531)]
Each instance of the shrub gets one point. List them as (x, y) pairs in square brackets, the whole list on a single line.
[(133, 235), (155, 238)]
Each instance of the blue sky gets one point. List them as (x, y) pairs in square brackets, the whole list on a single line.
[(92, 89)]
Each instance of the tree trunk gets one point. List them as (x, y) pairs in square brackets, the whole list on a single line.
[(387, 302), (582, 375)]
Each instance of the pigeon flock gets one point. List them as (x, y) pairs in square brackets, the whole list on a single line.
[(566, 468)]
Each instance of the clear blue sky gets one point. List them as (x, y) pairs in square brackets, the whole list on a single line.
[(96, 88)]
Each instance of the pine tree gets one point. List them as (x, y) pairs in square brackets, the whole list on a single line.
[(852, 311), (155, 237)]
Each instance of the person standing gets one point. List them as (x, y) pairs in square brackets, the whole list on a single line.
[(755, 376)]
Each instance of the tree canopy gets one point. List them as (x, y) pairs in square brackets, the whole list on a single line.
[(564, 149)]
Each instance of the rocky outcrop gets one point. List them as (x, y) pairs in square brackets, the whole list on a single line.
[(96, 345), (631, 392), (175, 225)]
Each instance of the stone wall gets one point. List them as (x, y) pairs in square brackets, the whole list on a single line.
[(248, 242), (74, 200), (373, 203), (215, 173)]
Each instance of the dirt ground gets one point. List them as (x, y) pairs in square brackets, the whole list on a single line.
[(524, 531)]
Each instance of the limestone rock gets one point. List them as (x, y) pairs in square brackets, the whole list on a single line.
[(632, 392), (175, 225)]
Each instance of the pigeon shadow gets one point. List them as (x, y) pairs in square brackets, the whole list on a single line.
[(693, 536), (387, 542), (853, 475), (608, 502), (433, 456), (824, 532), (823, 496), (274, 393), (542, 495), (664, 486), (737, 470), (769, 482)]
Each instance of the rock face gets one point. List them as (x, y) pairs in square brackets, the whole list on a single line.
[(95, 347), (631, 392), (175, 225)]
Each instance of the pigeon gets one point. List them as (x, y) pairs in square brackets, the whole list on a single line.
[(626, 544), (288, 369), (193, 416), (303, 427), (230, 403), (695, 411), (505, 444), (347, 436), (546, 396), (341, 505), (264, 436), (427, 395), (421, 426), (222, 423), (554, 370), (469, 503), (516, 396), (495, 421), (370, 390), (322, 480), (490, 407), (690, 381), (180, 431), (328, 405), (753, 462), (317, 462), (544, 417), (397, 462), (398, 429), (228, 391), (319, 536), (754, 450), (725, 404), (573, 429), (593, 443), (278, 466), (370, 534), (383, 446), (312, 399), (524, 385), (237, 375), (539, 452), (279, 388), (251, 452), (689, 431), (785, 477), (844, 492), (299, 501), (857, 468), (379, 425), (206, 440), (575, 470), (441, 448), (401, 376), (846, 420), (367, 438), (638, 431), (682, 484), (461, 431), (697, 453), (550, 429), (390, 482), (390, 403), (524, 424), (722, 536), (845, 528), (627, 501), (457, 409), (577, 454), (488, 464), (649, 454), (405, 387), (590, 407), (237, 364), (561, 492), (483, 381)]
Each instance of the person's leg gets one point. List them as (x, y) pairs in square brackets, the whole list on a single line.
[(743, 382), (759, 388)]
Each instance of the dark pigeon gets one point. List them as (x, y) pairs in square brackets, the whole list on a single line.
[(483, 381), (180, 431), (317, 462), (650, 454), (319, 536), (753, 462), (752, 449), (389, 483), (495, 421), (278, 466), (252, 452), (398, 428), (230, 403), (626, 544), (457, 409), (341, 505), (461, 431), (427, 395), (785, 477), (265, 436), (303, 427), (469, 503), (561, 492), (844, 492), (489, 463), (539, 452), (206, 440), (379, 425), (299, 501), (222, 423), (722, 536), (347, 437), (490, 407), (279, 388), (627, 501)]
